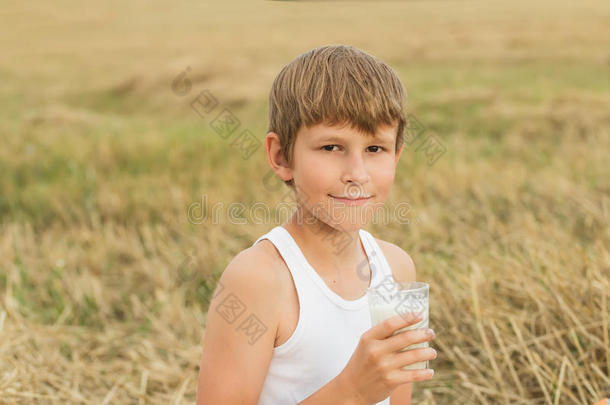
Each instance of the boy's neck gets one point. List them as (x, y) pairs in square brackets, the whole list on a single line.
[(329, 250)]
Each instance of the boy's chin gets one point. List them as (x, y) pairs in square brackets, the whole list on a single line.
[(341, 220), (348, 226)]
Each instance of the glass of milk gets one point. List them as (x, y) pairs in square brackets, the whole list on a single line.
[(390, 298)]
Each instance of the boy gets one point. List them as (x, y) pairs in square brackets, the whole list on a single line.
[(335, 136)]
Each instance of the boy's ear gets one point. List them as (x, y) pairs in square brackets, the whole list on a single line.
[(399, 152), (275, 157)]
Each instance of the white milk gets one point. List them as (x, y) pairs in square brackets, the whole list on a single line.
[(381, 311)]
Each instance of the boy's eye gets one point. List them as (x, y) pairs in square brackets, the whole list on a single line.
[(328, 146), (379, 148)]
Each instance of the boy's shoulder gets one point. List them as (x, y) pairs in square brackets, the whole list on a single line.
[(261, 258), (261, 266), (403, 267), (252, 279)]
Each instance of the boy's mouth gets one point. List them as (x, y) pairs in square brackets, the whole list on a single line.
[(351, 200)]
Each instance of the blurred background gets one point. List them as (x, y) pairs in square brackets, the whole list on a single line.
[(123, 123)]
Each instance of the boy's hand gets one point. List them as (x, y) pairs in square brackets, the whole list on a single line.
[(374, 370)]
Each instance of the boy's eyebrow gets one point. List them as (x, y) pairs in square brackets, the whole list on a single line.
[(335, 138)]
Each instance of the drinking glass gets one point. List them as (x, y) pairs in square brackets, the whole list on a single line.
[(390, 298)]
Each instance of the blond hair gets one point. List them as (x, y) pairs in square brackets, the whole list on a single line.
[(335, 85)]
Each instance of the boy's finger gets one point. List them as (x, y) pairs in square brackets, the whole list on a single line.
[(386, 328)]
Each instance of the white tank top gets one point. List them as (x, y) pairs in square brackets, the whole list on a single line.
[(328, 329)]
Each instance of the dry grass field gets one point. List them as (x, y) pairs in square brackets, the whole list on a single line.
[(106, 275)]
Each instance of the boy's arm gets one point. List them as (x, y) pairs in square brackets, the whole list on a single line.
[(403, 269), (333, 393), (401, 395), (240, 332)]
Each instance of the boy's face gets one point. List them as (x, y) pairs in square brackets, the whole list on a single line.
[(334, 162)]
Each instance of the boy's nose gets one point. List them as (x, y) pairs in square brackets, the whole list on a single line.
[(355, 171)]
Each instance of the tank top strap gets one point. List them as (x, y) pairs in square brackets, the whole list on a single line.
[(379, 265), (293, 261)]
